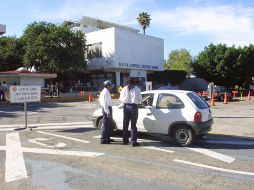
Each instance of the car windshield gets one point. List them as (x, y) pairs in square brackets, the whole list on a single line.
[(198, 101)]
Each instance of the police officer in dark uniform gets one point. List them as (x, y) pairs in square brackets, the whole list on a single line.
[(106, 103), (130, 96)]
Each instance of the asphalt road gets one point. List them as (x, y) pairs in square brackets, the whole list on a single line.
[(62, 152)]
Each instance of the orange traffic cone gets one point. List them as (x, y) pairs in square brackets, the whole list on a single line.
[(225, 99), (90, 98), (212, 101), (249, 97)]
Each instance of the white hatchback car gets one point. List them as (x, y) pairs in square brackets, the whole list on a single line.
[(180, 114)]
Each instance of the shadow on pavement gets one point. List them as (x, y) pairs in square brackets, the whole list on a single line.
[(219, 141), (210, 141), (11, 109), (78, 130)]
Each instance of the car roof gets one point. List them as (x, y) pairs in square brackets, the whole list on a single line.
[(166, 91)]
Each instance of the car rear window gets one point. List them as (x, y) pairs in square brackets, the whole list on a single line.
[(198, 101)]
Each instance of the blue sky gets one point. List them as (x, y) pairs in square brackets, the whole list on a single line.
[(190, 24)]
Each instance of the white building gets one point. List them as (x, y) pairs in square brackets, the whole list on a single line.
[(2, 29), (116, 52)]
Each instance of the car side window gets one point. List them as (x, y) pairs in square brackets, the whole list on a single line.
[(169, 101), (147, 100)]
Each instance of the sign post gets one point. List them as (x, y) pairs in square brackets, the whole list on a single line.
[(24, 94)]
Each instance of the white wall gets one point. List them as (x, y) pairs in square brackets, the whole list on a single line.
[(127, 50), (138, 73), (106, 37), (32, 81), (2, 29), (138, 51)]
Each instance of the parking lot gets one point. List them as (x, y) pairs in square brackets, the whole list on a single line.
[(62, 151)]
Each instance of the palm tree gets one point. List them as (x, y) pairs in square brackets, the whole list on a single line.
[(144, 20)]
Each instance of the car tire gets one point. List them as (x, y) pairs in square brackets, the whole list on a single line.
[(183, 135), (100, 125)]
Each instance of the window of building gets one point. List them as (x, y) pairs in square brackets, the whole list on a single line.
[(94, 50)]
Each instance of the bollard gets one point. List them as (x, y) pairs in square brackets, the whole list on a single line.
[(241, 97), (90, 98), (225, 98), (212, 101), (249, 96)]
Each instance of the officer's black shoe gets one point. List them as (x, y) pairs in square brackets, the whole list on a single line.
[(126, 143), (133, 144), (105, 142)]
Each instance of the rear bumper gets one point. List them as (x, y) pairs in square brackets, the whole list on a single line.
[(202, 128)]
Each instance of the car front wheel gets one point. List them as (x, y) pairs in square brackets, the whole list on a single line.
[(101, 122), (183, 135)]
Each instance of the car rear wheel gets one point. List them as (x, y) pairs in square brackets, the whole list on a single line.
[(183, 135)]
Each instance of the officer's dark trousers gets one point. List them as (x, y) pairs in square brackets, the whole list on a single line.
[(130, 113), (106, 128)]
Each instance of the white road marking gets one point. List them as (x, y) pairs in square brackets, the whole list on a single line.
[(49, 127), (35, 140), (58, 152), (120, 139), (7, 129), (215, 168), (60, 145), (47, 124), (65, 137), (159, 149), (62, 152), (15, 167), (214, 154)]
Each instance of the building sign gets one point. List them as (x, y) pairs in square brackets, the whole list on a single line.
[(121, 64), (21, 94)]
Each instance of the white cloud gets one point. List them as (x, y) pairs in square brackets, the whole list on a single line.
[(232, 24), (75, 9)]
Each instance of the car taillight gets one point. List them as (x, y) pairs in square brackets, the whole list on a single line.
[(198, 117)]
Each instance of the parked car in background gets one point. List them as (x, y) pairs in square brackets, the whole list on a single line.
[(182, 115), (218, 92)]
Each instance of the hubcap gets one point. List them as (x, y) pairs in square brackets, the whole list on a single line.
[(182, 135)]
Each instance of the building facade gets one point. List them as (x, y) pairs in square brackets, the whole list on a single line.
[(116, 52), (2, 29)]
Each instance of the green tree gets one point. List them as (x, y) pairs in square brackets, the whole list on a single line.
[(179, 60), (52, 48), (208, 63), (246, 62), (144, 20), (224, 65), (11, 53)]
